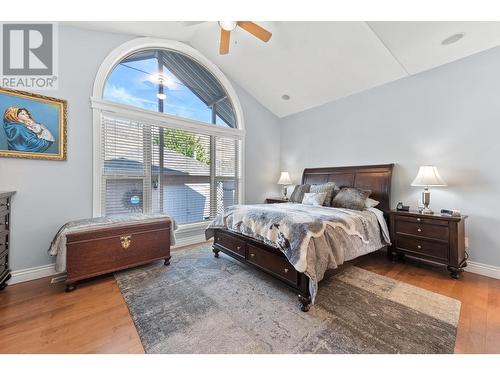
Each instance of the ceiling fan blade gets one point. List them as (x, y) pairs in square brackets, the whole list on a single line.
[(224, 41), (255, 30)]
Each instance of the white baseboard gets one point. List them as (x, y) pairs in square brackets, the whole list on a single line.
[(483, 269), (39, 272), (33, 273), (28, 274), (191, 240)]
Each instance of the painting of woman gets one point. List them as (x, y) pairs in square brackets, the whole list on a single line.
[(23, 133), (34, 126)]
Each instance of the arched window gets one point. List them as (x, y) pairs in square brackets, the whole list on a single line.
[(168, 133), (170, 82)]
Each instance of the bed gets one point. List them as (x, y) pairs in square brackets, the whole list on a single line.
[(274, 257)]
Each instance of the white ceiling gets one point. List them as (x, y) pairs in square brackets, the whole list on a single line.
[(318, 62)]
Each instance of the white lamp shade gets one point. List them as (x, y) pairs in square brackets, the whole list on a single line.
[(428, 175), (284, 179)]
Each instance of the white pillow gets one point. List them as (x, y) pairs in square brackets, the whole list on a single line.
[(371, 203), (314, 199)]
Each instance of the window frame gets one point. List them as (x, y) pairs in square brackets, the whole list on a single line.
[(101, 107)]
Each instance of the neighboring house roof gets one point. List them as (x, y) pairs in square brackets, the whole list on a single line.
[(179, 165)]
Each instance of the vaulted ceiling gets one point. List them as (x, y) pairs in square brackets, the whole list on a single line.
[(318, 62)]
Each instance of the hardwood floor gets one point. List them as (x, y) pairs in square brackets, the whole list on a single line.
[(39, 317)]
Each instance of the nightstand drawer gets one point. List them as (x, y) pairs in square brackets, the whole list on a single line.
[(438, 232), (437, 250), (423, 220)]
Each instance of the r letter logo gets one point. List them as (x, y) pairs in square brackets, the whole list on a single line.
[(29, 56)]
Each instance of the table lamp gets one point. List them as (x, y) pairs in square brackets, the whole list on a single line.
[(427, 176), (284, 180)]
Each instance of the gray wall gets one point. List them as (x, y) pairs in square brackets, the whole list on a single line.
[(262, 150), (448, 117), (50, 193)]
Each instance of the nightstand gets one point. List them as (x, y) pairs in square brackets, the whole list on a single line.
[(276, 200), (436, 238)]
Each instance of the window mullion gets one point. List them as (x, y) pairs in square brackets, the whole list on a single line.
[(148, 163), (160, 132), (213, 181)]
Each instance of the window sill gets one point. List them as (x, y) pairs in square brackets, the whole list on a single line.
[(184, 228)]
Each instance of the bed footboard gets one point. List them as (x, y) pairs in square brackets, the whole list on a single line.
[(265, 258)]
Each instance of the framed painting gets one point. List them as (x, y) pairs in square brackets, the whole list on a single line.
[(33, 126)]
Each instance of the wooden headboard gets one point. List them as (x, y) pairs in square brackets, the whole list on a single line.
[(377, 178)]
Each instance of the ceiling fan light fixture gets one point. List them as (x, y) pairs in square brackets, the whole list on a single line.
[(228, 25), (453, 39)]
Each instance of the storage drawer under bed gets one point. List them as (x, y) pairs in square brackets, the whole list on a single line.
[(276, 264), (236, 246)]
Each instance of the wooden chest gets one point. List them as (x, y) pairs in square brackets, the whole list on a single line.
[(97, 252)]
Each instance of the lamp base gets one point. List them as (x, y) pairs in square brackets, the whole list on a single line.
[(426, 211), (284, 193), (426, 200)]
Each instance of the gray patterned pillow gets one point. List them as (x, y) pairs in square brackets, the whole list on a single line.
[(314, 199), (298, 193), (351, 198), (330, 188)]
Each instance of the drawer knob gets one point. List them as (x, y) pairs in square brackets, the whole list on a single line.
[(238, 247), (418, 219), (125, 241), (252, 255), (419, 247), (286, 270), (218, 238), (419, 230)]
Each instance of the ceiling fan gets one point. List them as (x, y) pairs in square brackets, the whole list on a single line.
[(227, 26)]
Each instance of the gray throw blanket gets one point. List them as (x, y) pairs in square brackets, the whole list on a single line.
[(313, 238)]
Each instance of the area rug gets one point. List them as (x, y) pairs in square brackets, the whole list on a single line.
[(202, 304)]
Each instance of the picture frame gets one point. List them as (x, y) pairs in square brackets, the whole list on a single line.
[(33, 126)]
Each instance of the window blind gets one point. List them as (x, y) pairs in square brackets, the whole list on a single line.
[(147, 168)]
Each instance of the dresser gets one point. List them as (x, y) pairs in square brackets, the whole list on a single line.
[(435, 238), (5, 208)]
